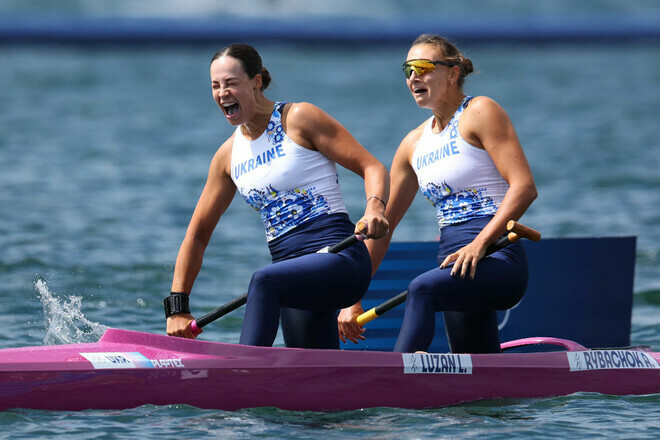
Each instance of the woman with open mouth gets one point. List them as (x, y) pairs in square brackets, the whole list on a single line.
[(468, 162), (282, 159)]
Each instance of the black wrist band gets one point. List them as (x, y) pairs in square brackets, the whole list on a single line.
[(176, 303)]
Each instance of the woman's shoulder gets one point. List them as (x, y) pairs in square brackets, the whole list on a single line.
[(304, 121), (483, 118), (482, 104), (410, 141), (415, 134), (228, 144), (482, 111), (295, 111), (223, 153)]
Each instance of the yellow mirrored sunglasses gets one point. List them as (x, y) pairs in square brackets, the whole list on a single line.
[(423, 66)]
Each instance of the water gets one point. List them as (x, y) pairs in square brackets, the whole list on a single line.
[(104, 151)]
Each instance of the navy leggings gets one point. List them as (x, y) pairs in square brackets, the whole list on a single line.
[(469, 306), (306, 291)]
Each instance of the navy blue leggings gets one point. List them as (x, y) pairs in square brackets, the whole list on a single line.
[(469, 306), (306, 292)]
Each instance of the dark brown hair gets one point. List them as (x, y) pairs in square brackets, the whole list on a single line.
[(450, 52), (249, 59)]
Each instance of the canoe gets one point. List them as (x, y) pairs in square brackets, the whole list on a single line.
[(126, 369)]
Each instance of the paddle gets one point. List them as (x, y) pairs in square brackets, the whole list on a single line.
[(196, 325), (516, 231)]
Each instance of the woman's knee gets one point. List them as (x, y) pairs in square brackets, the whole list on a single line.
[(263, 283), (422, 286), (420, 299), (261, 276)]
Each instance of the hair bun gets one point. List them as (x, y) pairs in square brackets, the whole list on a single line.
[(265, 78)]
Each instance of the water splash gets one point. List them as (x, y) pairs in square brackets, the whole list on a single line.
[(65, 322)]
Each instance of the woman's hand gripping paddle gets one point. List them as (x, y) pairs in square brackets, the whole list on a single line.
[(516, 231)]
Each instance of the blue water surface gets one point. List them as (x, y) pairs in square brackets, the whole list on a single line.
[(104, 151)]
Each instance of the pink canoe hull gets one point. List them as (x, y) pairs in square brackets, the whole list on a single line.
[(127, 369)]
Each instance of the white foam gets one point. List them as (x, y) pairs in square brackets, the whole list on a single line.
[(64, 319)]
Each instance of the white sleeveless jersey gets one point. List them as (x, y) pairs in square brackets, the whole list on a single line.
[(287, 183), (459, 179)]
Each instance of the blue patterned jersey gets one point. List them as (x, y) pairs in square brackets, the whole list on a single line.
[(287, 183), (459, 179)]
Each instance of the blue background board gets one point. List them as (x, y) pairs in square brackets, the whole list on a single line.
[(579, 289)]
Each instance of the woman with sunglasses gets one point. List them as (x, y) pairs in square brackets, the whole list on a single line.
[(467, 160), (282, 159)]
